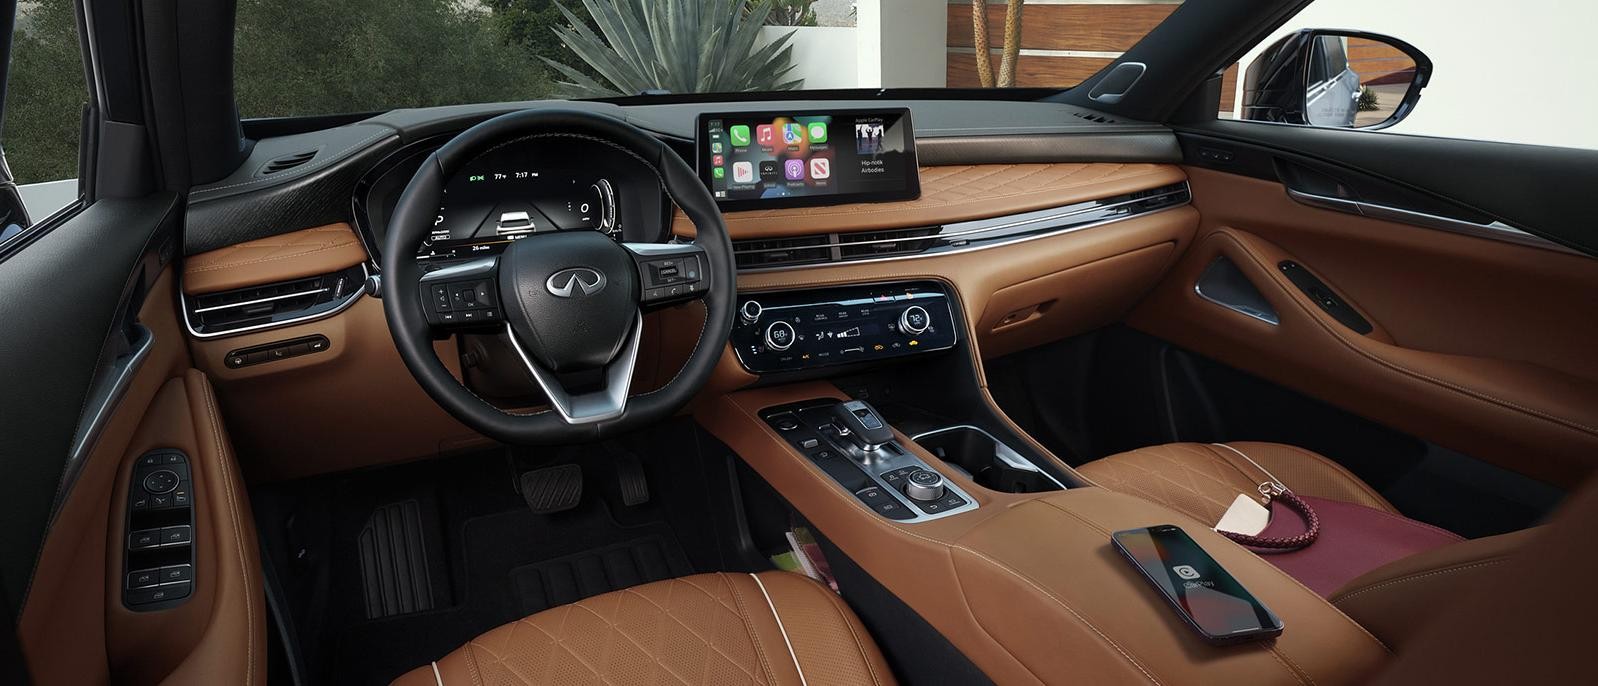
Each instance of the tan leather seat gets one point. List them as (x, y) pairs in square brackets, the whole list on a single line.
[(772, 628), (1201, 479)]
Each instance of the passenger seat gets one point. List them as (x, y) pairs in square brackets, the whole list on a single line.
[(1360, 531)]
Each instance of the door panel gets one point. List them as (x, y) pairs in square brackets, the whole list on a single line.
[(1479, 345)]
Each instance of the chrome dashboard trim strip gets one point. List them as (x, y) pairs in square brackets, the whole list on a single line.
[(258, 301), (973, 230), (1496, 231), (355, 293)]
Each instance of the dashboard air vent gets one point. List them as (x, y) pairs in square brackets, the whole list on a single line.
[(853, 246), (776, 252), (273, 304), (1094, 117), (287, 162)]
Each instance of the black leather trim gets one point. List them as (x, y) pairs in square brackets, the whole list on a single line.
[(415, 210), (63, 294)]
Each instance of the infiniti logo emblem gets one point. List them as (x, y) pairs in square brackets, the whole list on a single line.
[(574, 282)]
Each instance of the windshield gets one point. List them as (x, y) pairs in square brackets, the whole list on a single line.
[(314, 57)]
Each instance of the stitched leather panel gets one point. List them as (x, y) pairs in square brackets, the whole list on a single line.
[(957, 193), (1197, 480), (702, 629), (294, 255)]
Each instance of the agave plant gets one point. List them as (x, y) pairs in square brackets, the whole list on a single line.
[(682, 46)]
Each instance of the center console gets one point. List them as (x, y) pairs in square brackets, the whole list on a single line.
[(796, 330)]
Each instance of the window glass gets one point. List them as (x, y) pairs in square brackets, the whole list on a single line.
[(45, 95), (1516, 72), (341, 56)]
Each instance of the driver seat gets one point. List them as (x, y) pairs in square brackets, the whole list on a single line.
[(771, 628)]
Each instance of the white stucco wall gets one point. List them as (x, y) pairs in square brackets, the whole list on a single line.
[(824, 56), (1520, 72)]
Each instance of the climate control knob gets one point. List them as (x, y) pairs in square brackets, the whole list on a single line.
[(780, 335), (914, 320), (750, 311)]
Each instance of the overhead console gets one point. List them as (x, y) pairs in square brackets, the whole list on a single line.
[(783, 331)]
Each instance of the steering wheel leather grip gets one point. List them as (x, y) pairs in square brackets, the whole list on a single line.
[(539, 281)]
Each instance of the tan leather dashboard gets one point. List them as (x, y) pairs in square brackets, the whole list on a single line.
[(956, 193), (1028, 587), (294, 255)]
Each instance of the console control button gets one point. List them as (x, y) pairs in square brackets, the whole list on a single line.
[(780, 335), (883, 503), (161, 481), (924, 485), (176, 573), (914, 320)]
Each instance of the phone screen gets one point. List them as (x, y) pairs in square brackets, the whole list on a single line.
[(1196, 585)]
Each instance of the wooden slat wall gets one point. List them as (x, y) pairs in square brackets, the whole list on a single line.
[(1103, 28)]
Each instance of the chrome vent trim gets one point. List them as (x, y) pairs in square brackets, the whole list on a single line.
[(275, 305), (956, 237)]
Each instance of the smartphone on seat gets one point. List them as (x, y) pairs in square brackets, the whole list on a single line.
[(1201, 591)]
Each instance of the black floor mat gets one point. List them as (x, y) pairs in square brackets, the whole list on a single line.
[(484, 556)]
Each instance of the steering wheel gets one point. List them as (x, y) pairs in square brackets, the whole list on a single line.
[(570, 302)]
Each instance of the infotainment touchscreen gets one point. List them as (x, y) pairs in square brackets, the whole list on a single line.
[(754, 160)]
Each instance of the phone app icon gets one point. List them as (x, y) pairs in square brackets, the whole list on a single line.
[(768, 169), (817, 131), (764, 135), (793, 134), (715, 146), (743, 172), (1186, 572), (793, 170), (717, 160), (739, 134), (718, 173), (820, 168)]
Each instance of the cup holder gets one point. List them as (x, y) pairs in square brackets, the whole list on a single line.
[(993, 465)]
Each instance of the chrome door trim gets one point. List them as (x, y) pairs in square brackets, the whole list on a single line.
[(1497, 231)]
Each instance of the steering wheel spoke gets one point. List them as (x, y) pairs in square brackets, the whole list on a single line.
[(669, 272), (463, 296), (607, 402)]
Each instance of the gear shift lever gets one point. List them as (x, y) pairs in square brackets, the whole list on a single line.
[(865, 423)]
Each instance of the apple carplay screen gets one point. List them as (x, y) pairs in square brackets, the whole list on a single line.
[(758, 160)]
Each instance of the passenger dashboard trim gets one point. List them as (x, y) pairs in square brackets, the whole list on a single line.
[(999, 231)]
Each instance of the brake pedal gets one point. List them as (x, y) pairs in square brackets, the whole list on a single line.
[(553, 489)]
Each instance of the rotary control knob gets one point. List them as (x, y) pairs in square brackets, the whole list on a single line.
[(780, 335), (161, 482), (750, 311), (924, 485), (914, 320)]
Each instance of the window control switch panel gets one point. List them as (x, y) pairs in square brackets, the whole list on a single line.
[(158, 560)]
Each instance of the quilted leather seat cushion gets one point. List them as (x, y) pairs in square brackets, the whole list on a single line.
[(767, 628), (1201, 480)]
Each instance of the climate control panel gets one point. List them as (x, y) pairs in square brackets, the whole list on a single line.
[(792, 330)]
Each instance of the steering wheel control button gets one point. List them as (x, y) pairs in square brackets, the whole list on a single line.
[(750, 311), (780, 335), (914, 320), (924, 485), (160, 482)]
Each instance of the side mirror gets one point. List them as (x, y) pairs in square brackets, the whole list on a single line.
[(1335, 78)]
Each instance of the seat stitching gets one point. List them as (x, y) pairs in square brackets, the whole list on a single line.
[(472, 667), (760, 652), (616, 629), (238, 539), (263, 260), (771, 605), (690, 630), (1343, 597), (1288, 663), (836, 603)]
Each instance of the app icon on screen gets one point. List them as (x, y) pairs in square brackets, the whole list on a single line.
[(793, 170), (763, 135), (718, 173), (715, 146), (768, 169), (820, 168), (817, 131), (793, 134), (717, 160), (739, 134), (743, 172)]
